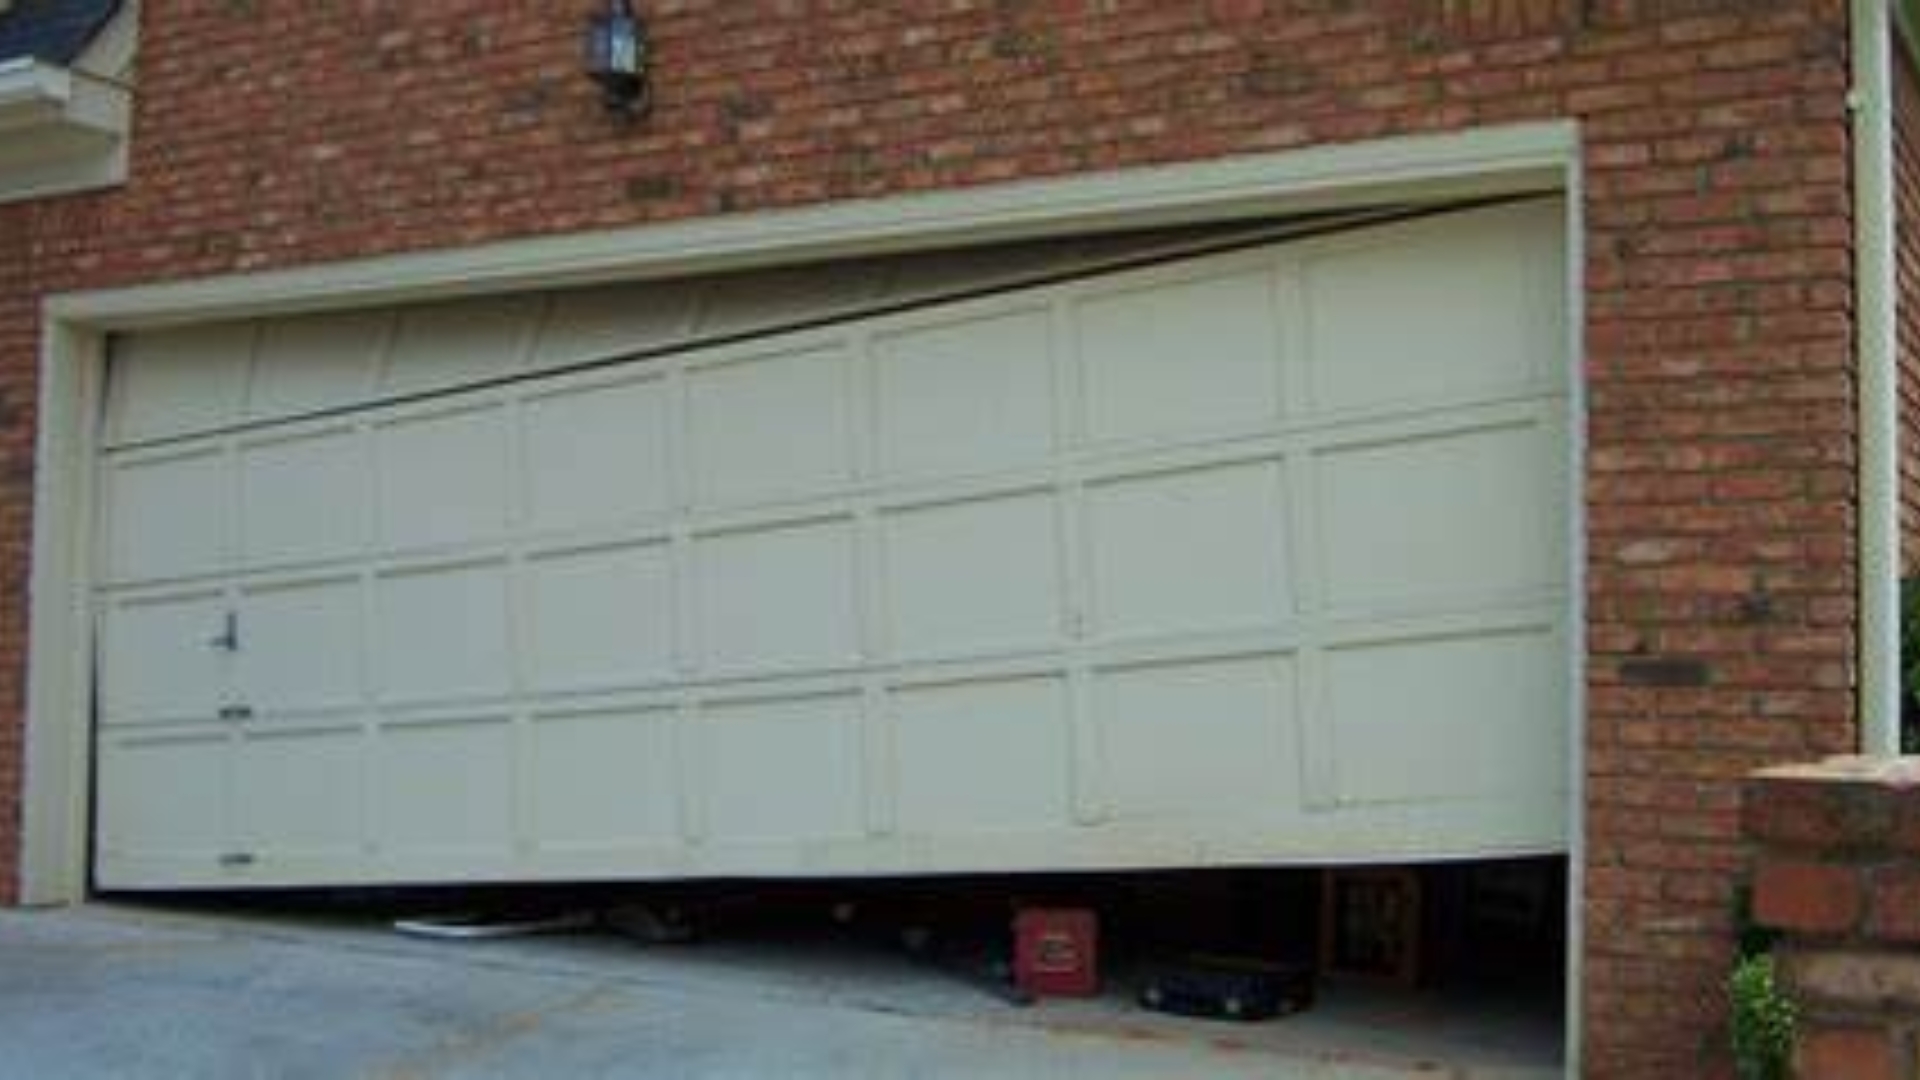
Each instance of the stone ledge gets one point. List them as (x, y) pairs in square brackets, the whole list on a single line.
[(1854, 979), (1844, 806)]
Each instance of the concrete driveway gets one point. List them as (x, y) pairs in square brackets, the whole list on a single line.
[(117, 992)]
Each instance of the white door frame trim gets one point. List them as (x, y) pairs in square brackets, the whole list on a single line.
[(1483, 161), (1537, 157)]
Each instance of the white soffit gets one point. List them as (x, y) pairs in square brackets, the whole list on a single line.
[(65, 129)]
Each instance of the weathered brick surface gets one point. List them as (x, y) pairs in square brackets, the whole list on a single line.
[(1807, 897), (1720, 492), (1846, 895), (1864, 1053), (1893, 902)]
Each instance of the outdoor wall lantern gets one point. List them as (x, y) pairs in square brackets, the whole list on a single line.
[(617, 59)]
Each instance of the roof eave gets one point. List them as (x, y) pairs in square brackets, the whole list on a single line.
[(60, 130)]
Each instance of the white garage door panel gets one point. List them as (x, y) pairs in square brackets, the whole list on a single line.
[(303, 646), (440, 477), (1460, 515), (605, 781), (1403, 317), (597, 456), (983, 757), (783, 771), (1215, 738), (1223, 566), (157, 665), (297, 796), (439, 345), (770, 427), (1250, 557), (444, 791), (317, 361), (1007, 550), (163, 804), (441, 634), (303, 498), (1182, 356), (172, 515), (969, 396), (1462, 714), (779, 598), (173, 381), (601, 618)]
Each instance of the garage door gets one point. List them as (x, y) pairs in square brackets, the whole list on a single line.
[(1255, 556)]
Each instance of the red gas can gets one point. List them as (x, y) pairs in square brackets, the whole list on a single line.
[(1056, 952)]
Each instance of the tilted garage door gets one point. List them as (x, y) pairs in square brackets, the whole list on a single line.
[(1256, 556)]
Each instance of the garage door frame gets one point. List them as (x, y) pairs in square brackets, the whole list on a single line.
[(1525, 158)]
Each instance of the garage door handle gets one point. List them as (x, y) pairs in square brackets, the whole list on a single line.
[(236, 712), (236, 858), (229, 636)]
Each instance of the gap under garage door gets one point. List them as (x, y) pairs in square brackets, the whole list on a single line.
[(1257, 556)]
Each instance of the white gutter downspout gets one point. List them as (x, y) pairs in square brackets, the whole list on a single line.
[(1876, 356)]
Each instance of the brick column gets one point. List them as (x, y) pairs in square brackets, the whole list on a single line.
[(1838, 874)]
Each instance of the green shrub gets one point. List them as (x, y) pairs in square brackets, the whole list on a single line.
[(1763, 1022)]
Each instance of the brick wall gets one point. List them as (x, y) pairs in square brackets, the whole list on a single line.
[(18, 351), (1839, 875), (1906, 166), (1720, 493)]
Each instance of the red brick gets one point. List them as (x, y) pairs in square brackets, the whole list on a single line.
[(1893, 904), (1848, 1054), (1718, 340), (1807, 897)]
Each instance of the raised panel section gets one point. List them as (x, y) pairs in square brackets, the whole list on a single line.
[(1480, 716), (599, 323), (600, 617), (1197, 549), (1182, 357), (158, 661), (298, 794), (783, 769), (769, 428), (776, 598), (300, 646), (172, 382), (164, 798), (965, 397), (444, 789), (314, 362), (440, 345), (171, 516), (441, 634), (597, 455), (982, 757), (303, 498), (1436, 312), (604, 779), (1201, 738), (1470, 515), (442, 478), (971, 576)]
